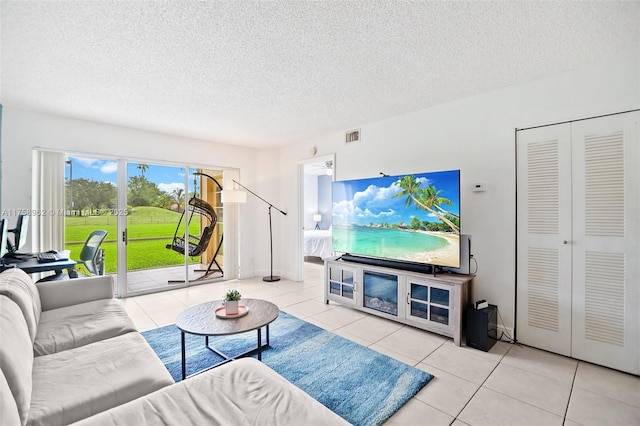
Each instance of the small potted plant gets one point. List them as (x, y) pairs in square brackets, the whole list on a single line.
[(231, 302)]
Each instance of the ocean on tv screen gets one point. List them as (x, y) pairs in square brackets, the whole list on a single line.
[(397, 244)]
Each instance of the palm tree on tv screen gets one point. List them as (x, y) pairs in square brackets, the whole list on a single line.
[(425, 198), (433, 195)]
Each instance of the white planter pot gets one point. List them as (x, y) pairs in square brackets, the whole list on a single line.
[(231, 307)]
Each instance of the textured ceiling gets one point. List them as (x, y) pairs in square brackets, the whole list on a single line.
[(274, 73)]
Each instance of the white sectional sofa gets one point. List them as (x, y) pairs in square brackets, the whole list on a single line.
[(70, 353)]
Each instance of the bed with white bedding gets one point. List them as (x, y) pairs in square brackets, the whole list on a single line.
[(317, 242)]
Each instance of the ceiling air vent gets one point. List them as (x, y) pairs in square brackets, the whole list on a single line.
[(352, 136)]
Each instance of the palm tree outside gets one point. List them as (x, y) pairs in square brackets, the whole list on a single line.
[(143, 168), (178, 195)]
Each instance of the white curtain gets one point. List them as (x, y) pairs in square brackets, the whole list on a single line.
[(47, 201)]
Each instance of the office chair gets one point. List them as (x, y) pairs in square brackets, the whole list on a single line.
[(91, 257)]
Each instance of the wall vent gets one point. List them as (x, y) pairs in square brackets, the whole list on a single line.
[(352, 136)]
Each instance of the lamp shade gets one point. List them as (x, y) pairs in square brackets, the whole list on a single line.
[(230, 196), (317, 218)]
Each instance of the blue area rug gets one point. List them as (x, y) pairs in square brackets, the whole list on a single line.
[(359, 384)]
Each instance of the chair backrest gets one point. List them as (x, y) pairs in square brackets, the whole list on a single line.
[(203, 208), (202, 242), (90, 254)]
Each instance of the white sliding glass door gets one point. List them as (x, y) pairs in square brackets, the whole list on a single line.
[(91, 204), (164, 223), (172, 229)]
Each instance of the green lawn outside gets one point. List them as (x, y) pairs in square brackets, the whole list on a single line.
[(79, 233), (153, 225), (140, 255)]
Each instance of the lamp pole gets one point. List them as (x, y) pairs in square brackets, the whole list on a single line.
[(271, 277)]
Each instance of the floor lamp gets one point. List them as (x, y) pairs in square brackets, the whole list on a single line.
[(271, 277)]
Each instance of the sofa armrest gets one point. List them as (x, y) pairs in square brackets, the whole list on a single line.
[(58, 294)]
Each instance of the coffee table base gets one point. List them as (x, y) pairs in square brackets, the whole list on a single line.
[(225, 357)]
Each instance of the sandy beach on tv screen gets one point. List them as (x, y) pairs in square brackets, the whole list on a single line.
[(445, 256)]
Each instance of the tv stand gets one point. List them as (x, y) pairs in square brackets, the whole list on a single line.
[(431, 301)]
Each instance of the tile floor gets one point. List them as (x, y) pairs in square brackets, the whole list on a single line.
[(510, 385)]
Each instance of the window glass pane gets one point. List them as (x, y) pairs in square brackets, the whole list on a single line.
[(91, 201), (440, 296), (335, 274), (440, 315), (419, 310), (419, 292), (206, 185), (347, 291)]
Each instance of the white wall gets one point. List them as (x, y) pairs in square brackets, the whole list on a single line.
[(475, 135), (254, 215), (22, 131)]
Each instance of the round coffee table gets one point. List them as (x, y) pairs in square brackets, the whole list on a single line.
[(201, 320)]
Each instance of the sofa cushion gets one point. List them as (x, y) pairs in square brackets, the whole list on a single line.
[(8, 409), (19, 287), (16, 354), (77, 383), (242, 392), (62, 293), (78, 325)]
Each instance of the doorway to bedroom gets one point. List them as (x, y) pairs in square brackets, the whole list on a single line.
[(317, 176)]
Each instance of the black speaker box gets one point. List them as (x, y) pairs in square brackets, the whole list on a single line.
[(482, 327)]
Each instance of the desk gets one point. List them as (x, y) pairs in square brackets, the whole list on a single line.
[(32, 266)]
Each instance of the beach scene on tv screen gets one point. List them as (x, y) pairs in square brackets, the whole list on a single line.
[(412, 217)]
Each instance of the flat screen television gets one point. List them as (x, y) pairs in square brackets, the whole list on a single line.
[(410, 220)]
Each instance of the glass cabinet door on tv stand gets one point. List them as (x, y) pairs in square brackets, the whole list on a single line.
[(342, 285), (431, 303)]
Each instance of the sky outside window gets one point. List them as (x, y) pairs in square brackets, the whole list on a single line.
[(167, 178)]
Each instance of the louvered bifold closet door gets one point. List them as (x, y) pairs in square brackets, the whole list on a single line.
[(544, 235), (606, 258)]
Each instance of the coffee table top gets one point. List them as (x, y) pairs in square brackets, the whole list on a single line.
[(202, 320)]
